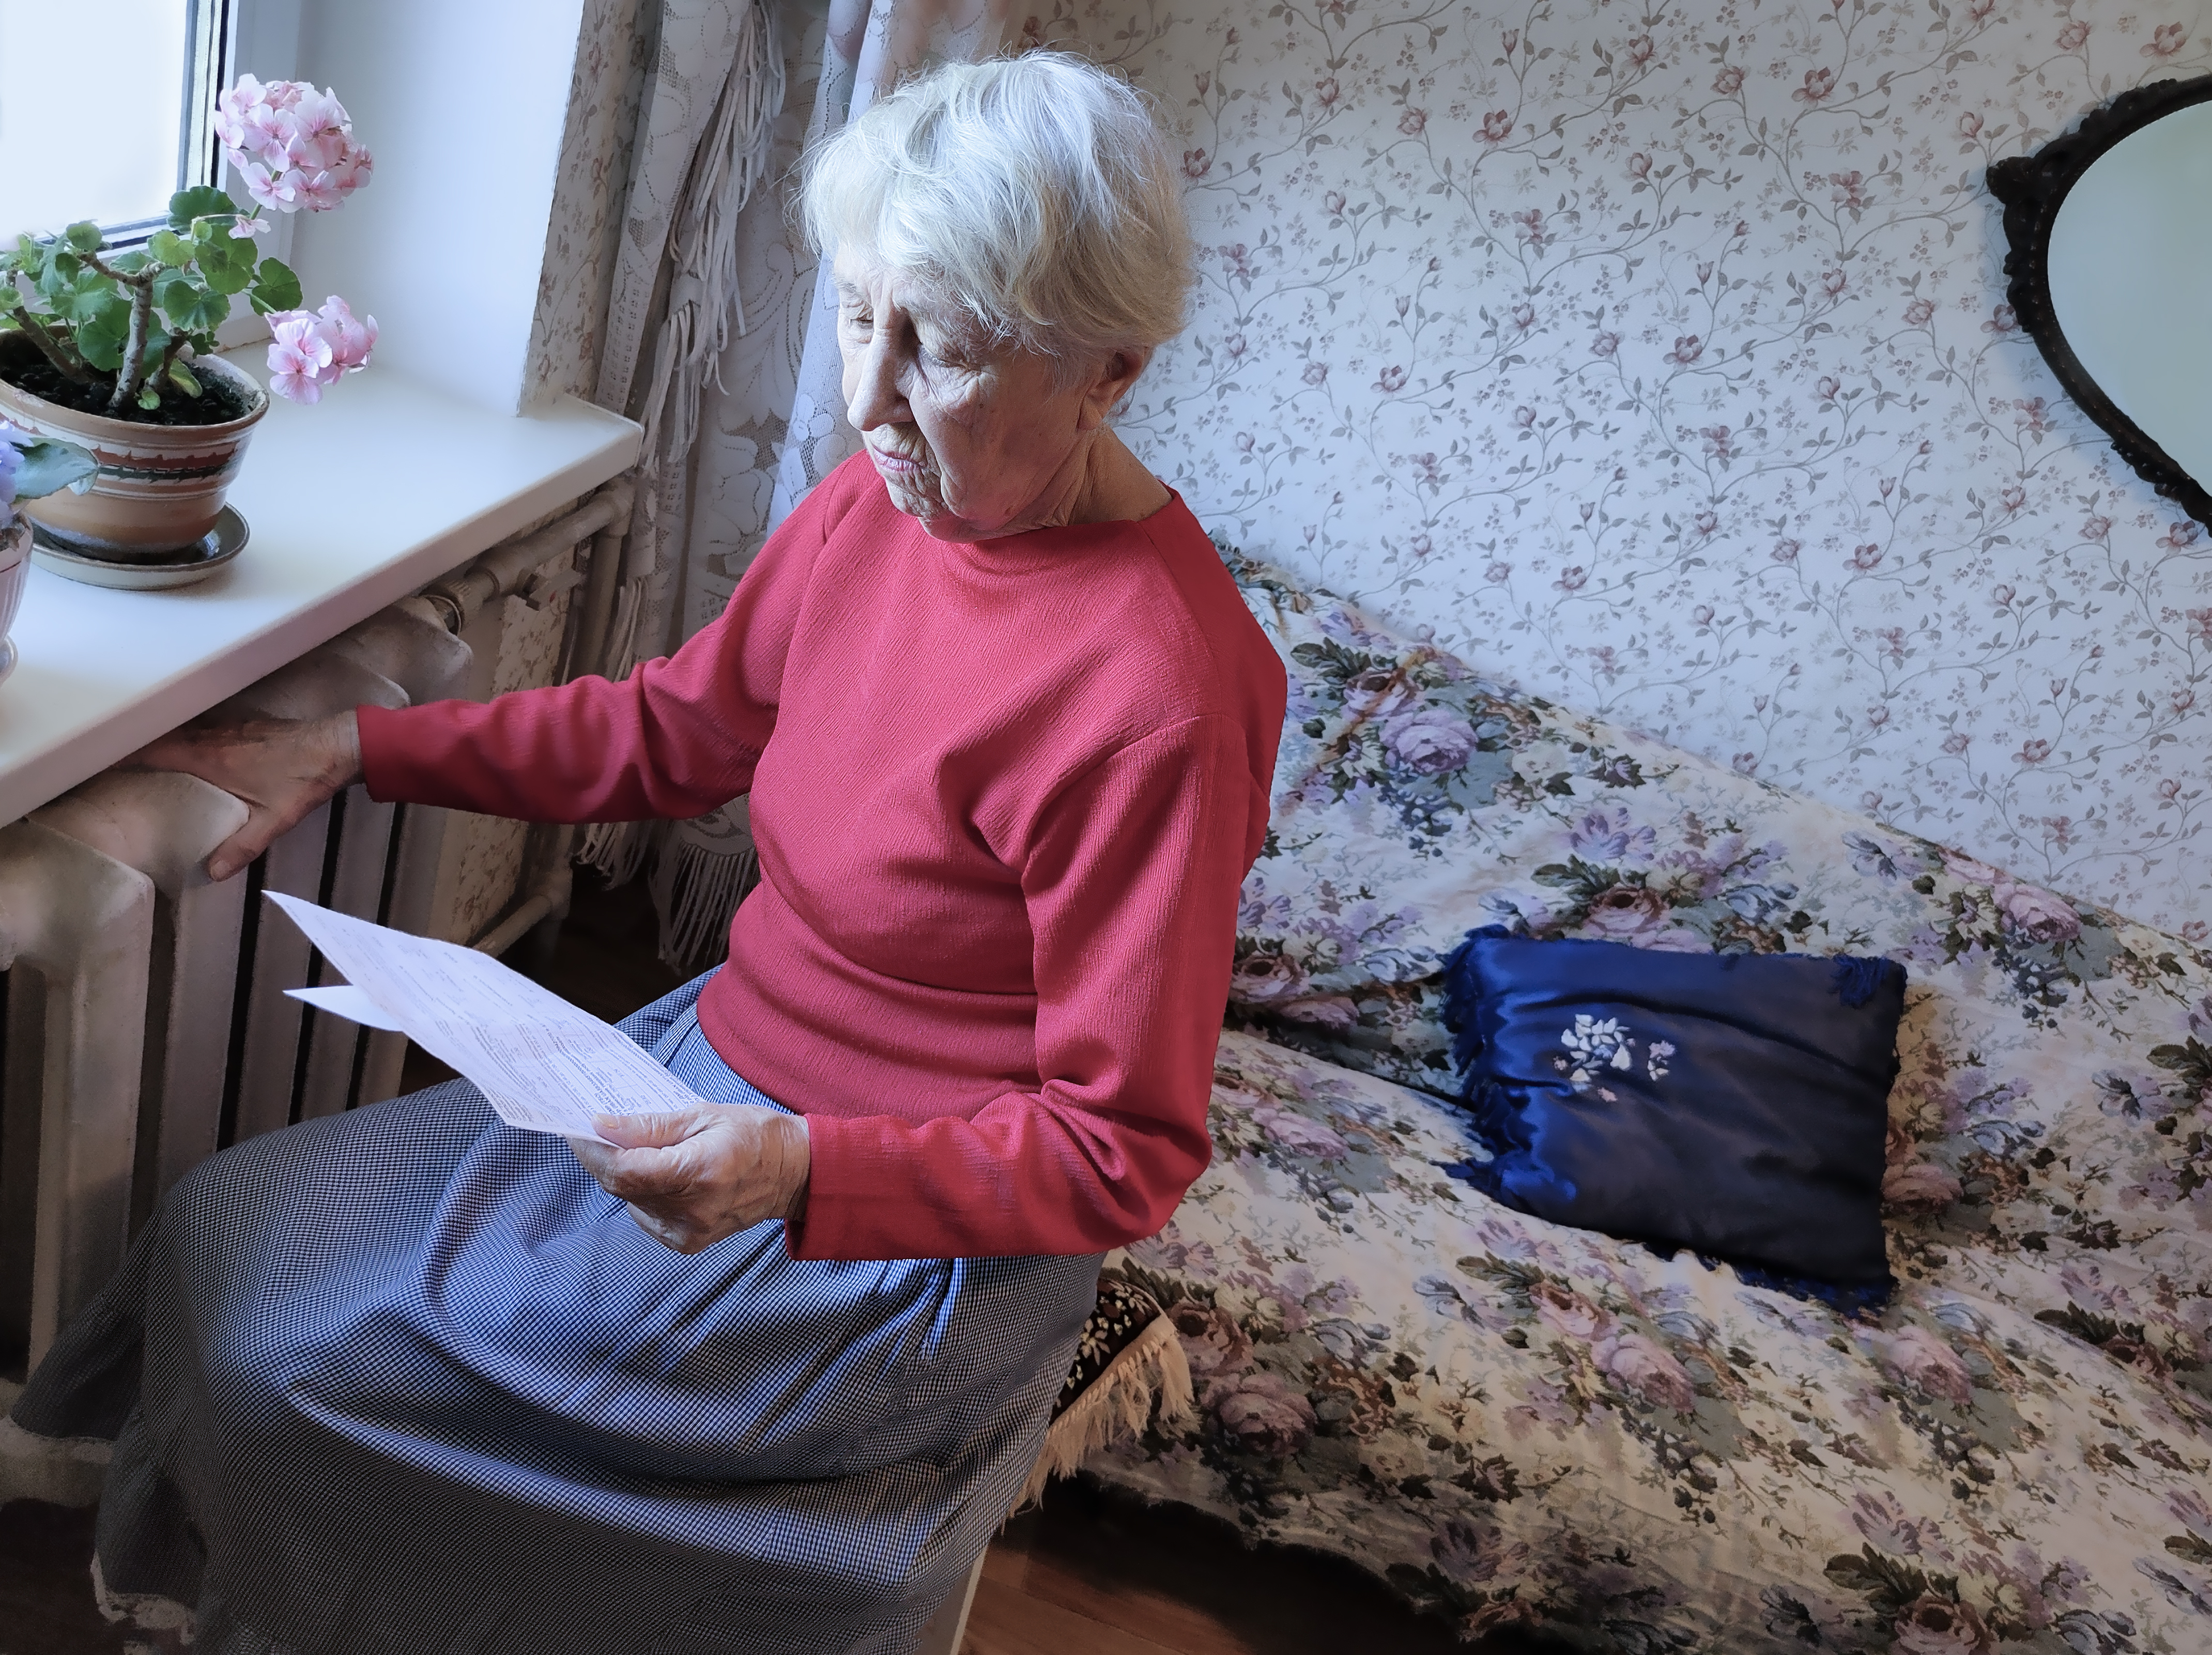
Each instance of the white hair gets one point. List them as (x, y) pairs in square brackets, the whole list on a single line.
[(1034, 192)]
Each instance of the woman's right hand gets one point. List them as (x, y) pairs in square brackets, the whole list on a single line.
[(280, 768)]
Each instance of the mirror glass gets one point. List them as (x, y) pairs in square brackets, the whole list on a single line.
[(2130, 265)]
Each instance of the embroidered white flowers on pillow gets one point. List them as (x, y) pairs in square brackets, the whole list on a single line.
[(1595, 1044)]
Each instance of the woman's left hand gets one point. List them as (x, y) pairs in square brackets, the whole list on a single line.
[(696, 1176)]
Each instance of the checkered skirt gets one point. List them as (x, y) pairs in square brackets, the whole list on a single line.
[(407, 1380)]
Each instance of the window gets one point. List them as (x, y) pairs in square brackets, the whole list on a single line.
[(104, 110)]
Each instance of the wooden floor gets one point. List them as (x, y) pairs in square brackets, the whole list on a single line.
[(1096, 1573), (1089, 1573)]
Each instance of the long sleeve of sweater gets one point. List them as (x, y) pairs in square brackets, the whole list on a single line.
[(676, 739)]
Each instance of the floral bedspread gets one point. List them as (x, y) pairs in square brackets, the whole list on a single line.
[(1541, 1427)]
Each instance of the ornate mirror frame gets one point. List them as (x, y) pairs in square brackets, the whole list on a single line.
[(2032, 189)]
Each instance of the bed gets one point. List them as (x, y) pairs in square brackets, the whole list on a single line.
[(1536, 1427)]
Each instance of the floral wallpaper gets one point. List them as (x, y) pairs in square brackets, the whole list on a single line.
[(1655, 355)]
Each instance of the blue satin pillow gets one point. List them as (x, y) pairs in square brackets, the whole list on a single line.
[(1734, 1104)]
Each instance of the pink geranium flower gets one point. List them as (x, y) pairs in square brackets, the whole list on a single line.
[(279, 192), (315, 348), (293, 145), (327, 190), (245, 117), (317, 132), (352, 339), (299, 358)]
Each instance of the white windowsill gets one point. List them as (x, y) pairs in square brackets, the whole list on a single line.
[(353, 504)]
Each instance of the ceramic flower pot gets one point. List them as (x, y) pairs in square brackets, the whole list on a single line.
[(159, 487), (15, 570)]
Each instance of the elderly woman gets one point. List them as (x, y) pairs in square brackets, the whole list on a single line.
[(765, 1376)]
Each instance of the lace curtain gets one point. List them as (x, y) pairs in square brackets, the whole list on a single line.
[(720, 338)]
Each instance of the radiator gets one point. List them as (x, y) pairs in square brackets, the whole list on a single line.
[(143, 1022)]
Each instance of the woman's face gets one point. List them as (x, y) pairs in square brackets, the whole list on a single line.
[(972, 438)]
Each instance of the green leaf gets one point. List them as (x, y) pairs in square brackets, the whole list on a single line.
[(227, 276), (85, 238), (193, 308), (150, 398), (170, 248), (100, 348), (94, 297), (50, 466), (275, 288), (10, 299), (58, 273), (205, 201), (185, 379), (213, 238), (101, 341)]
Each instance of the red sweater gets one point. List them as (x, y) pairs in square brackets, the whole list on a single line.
[(1004, 795)]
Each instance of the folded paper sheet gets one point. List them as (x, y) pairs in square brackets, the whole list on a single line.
[(348, 1002), (544, 1065)]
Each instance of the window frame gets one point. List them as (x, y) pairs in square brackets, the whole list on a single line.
[(209, 46), (224, 39)]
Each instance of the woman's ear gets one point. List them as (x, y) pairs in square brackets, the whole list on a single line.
[(1117, 375)]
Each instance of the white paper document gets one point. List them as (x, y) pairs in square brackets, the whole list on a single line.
[(545, 1065), (348, 1002)]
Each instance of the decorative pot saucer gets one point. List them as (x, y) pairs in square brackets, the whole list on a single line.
[(205, 556)]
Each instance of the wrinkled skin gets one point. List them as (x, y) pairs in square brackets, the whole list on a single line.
[(282, 769), (977, 439), (694, 1177)]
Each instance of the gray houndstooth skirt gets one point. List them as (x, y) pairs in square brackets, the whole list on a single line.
[(408, 1381)]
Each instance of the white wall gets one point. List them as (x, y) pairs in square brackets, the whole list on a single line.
[(462, 106)]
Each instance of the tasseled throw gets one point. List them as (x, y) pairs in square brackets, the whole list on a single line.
[(1119, 1401)]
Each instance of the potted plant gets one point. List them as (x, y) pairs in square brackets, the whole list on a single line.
[(115, 351), (31, 468)]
